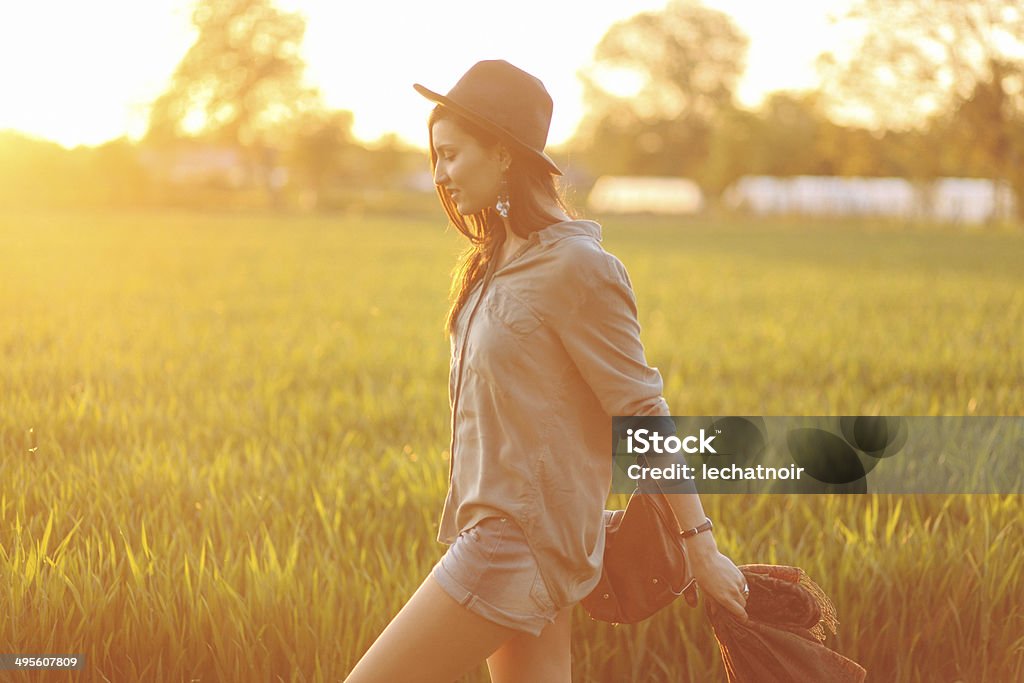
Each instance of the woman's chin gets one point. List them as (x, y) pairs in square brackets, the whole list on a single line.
[(466, 209)]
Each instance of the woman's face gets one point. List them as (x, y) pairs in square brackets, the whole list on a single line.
[(468, 171)]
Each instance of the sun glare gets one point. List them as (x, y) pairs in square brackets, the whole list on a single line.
[(620, 82), (84, 73)]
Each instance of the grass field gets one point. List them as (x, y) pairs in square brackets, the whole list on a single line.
[(222, 438)]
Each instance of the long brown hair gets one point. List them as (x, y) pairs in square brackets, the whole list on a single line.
[(528, 179)]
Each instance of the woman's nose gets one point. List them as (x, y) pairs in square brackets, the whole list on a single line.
[(440, 175)]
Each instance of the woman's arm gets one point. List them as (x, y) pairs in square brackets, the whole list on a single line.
[(600, 332), (715, 573), (690, 513)]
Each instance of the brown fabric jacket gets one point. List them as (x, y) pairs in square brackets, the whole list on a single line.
[(783, 640)]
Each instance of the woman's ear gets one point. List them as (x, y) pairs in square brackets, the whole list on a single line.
[(504, 157)]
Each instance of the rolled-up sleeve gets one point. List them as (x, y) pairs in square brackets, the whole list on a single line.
[(601, 334)]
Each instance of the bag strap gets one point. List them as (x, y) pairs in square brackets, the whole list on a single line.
[(661, 504)]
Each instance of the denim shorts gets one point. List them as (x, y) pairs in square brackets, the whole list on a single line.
[(491, 571)]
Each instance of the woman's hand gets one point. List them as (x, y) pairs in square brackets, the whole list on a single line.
[(716, 575)]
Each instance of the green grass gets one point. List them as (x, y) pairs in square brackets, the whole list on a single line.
[(222, 438)]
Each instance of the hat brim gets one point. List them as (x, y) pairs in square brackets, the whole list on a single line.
[(487, 124)]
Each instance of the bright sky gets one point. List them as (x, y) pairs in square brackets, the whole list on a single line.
[(84, 72)]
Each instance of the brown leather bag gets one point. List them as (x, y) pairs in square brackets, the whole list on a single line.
[(645, 565)]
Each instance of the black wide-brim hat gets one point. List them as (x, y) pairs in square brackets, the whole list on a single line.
[(504, 100)]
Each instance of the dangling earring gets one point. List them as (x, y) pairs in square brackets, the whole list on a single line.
[(503, 204)]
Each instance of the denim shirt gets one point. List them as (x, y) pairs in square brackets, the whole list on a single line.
[(545, 351)]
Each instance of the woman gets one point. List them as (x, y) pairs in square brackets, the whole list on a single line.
[(545, 349)]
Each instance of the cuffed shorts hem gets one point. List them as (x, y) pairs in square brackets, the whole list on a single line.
[(490, 571)]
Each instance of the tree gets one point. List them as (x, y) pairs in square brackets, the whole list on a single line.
[(240, 84), (685, 61), (955, 67), (791, 137), (322, 153)]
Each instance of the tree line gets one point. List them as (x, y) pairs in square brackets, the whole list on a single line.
[(938, 85), (935, 88)]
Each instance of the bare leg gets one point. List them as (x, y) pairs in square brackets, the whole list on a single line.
[(548, 657), (432, 639)]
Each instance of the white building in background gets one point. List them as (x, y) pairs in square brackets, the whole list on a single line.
[(199, 163), (825, 196), (419, 181), (971, 200), (645, 194), (186, 164), (960, 200)]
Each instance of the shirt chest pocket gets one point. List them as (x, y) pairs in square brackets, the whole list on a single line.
[(500, 348), (509, 311)]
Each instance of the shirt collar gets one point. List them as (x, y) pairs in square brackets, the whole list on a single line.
[(557, 231)]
